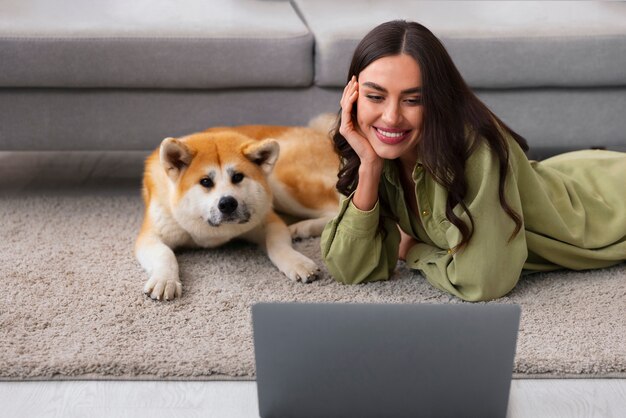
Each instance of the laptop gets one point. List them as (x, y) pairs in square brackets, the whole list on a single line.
[(384, 360)]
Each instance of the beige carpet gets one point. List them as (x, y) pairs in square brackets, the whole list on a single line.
[(72, 307)]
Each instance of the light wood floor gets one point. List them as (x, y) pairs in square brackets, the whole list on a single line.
[(531, 398), (24, 172)]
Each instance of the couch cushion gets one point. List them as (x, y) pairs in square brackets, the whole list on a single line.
[(494, 44), (153, 43)]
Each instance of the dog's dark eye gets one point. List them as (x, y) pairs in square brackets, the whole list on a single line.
[(237, 178), (206, 182)]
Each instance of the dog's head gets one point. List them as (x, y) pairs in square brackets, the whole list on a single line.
[(218, 181)]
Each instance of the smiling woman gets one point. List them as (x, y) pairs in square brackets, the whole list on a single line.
[(432, 176), (389, 102)]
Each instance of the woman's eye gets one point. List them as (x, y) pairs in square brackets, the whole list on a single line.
[(237, 178), (206, 182), (414, 101), (374, 98)]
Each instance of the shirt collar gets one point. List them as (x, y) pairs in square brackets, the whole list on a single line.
[(390, 171)]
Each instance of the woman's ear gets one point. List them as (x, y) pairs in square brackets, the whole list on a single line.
[(262, 153), (175, 157)]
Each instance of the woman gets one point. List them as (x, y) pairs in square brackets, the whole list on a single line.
[(421, 152)]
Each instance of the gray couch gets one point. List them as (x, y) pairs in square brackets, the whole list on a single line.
[(121, 75)]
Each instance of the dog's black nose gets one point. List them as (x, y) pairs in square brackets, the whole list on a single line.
[(227, 205)]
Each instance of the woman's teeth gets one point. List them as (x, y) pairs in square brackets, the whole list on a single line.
[(391, 134)]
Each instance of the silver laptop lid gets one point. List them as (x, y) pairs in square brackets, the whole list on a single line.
[(384, 360)]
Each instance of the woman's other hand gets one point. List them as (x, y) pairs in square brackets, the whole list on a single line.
[(406, 242)]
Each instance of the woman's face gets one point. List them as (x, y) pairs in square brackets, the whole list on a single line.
[(389, 106)]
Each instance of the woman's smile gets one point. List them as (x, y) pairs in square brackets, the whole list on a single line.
[(392, 136)]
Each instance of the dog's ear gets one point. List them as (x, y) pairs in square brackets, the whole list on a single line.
[(262, 153), (175, 157)]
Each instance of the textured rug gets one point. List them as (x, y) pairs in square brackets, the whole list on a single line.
[(72, 305)]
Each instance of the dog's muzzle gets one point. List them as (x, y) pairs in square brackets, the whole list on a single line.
[(229, 211)]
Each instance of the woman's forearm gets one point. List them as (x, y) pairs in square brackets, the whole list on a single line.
[(366, 193)]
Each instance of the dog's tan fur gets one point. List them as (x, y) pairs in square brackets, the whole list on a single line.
[(181, 212)]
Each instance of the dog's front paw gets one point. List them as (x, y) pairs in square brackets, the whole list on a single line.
[(307, 228), (301, 268), (300, 230), (159, 289)]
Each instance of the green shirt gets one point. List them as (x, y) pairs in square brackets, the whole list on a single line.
[(573, 208)]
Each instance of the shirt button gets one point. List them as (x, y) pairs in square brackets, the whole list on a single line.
[(449, 250), (425, 213)]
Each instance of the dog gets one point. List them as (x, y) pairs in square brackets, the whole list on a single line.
[(208, 188)]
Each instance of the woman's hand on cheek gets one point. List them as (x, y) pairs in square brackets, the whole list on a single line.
[(366, 193), (359, 144)]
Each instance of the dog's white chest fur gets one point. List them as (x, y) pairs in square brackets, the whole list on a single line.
[(175, 235), (170, 231)]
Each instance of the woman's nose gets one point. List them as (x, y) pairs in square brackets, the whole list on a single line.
[(391, 115)]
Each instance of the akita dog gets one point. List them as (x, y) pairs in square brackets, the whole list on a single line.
[(205, 189)]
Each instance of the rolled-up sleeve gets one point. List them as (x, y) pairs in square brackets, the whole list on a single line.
[(360, 246)]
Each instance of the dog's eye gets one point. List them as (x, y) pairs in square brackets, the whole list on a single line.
[(206, 182), (237, 178)]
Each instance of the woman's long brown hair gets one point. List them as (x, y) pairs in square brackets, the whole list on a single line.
[(455, 120)]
